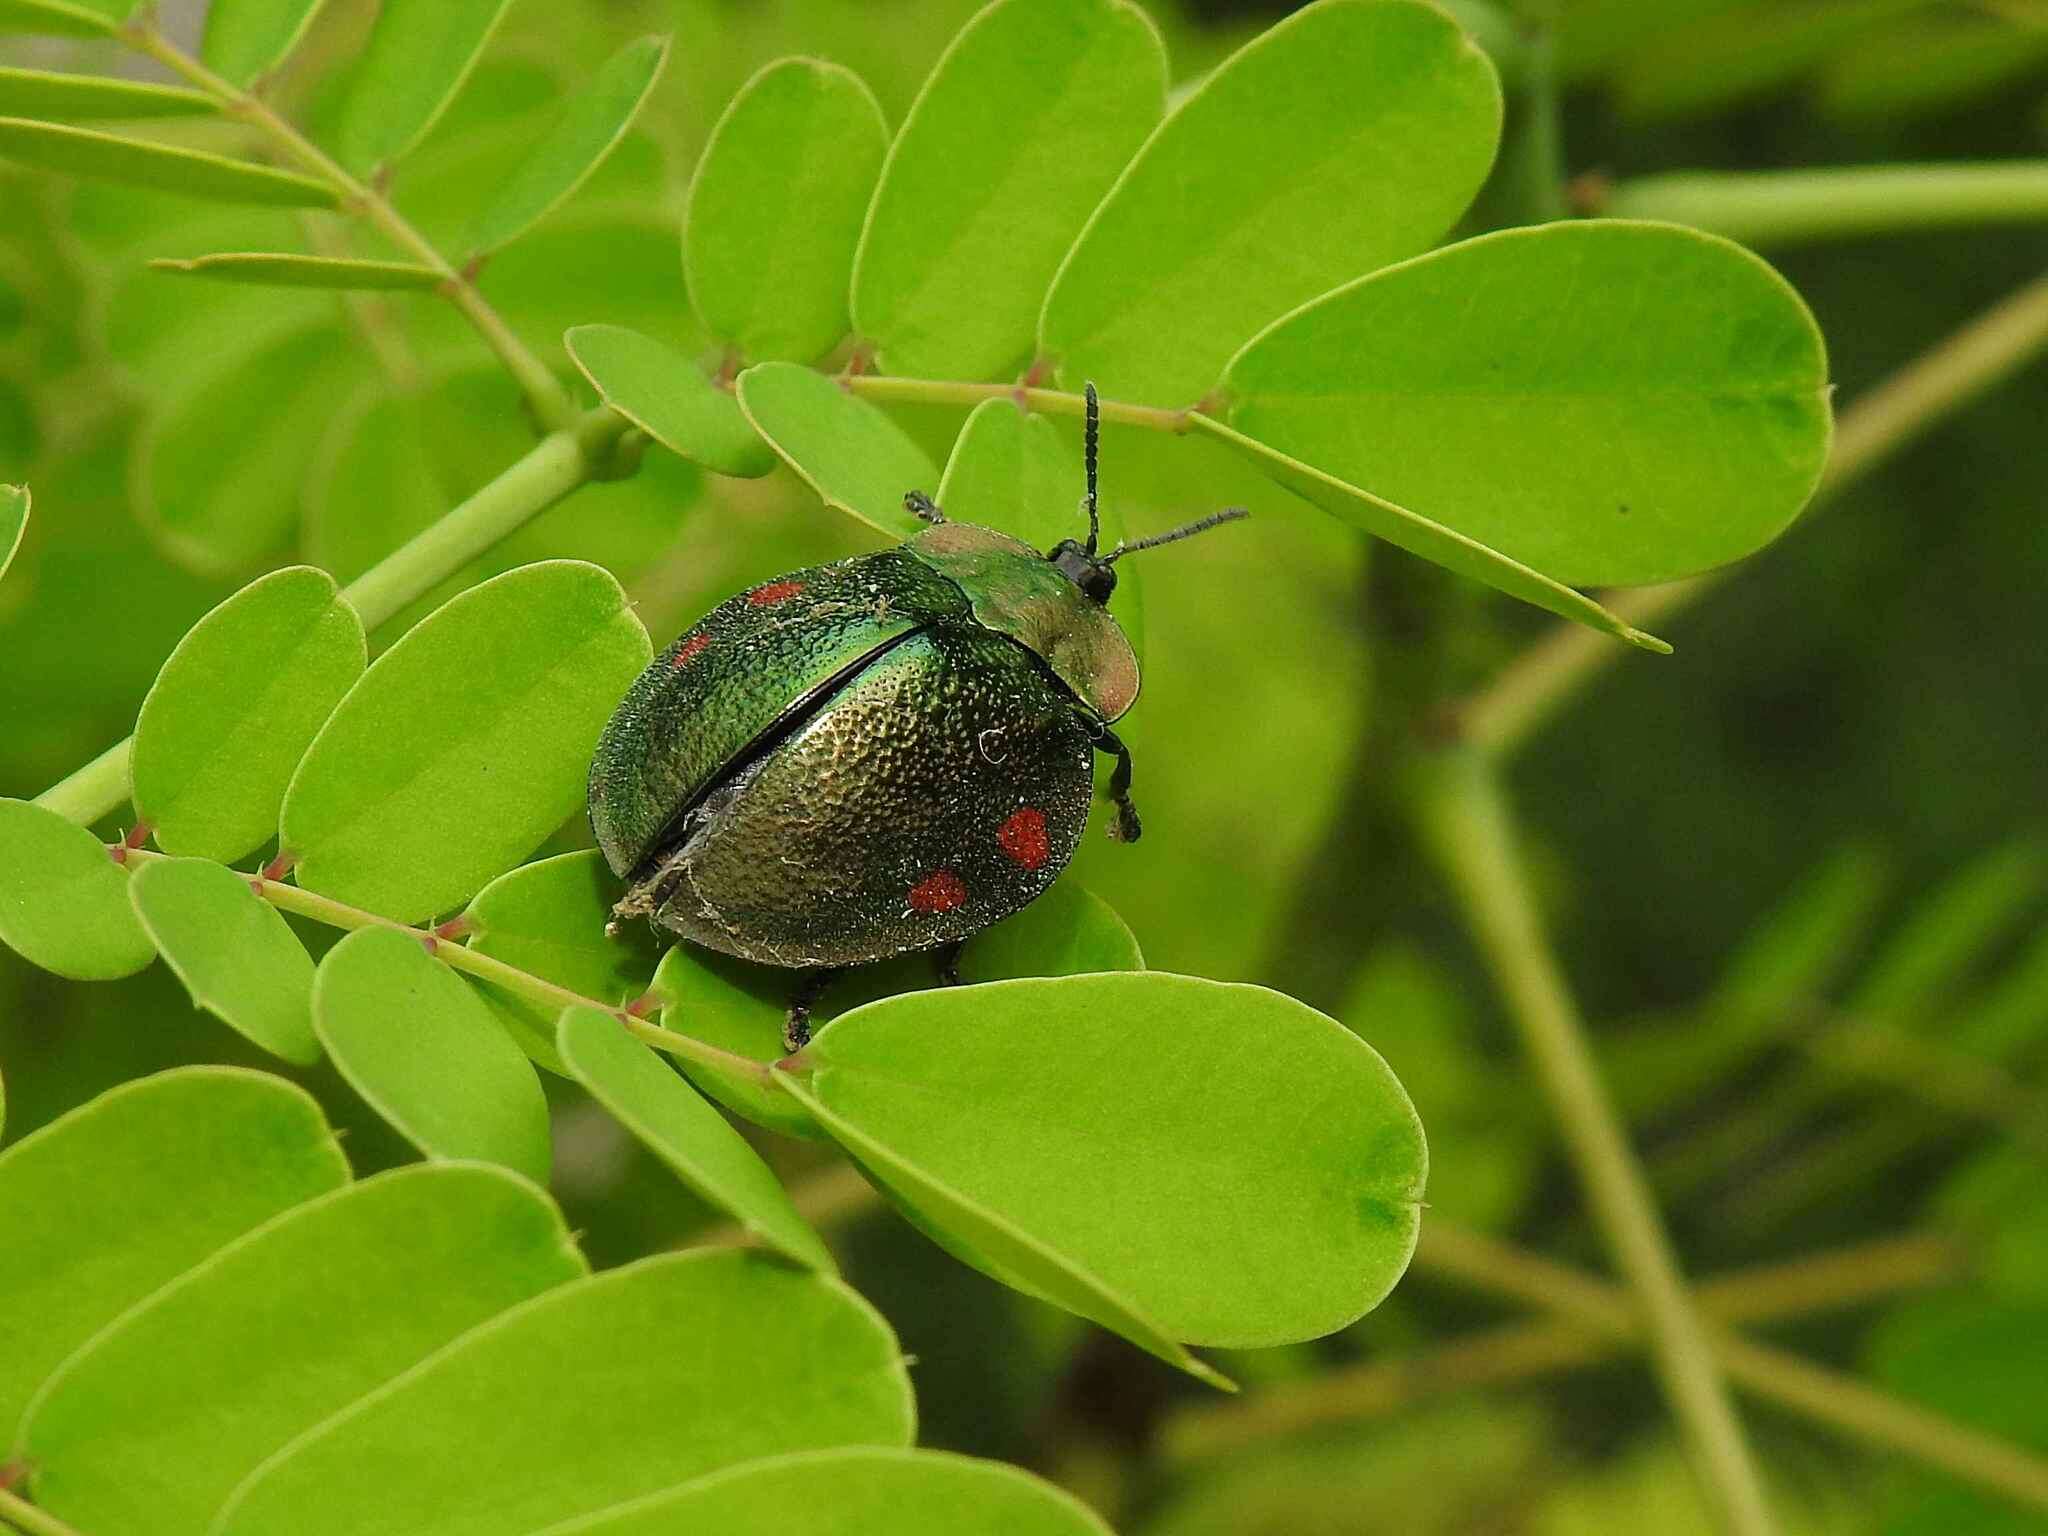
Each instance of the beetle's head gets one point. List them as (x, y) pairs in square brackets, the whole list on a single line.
[(1093, 573)]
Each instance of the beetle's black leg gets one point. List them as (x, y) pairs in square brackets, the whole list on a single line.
[(1126, 828), (796, 1025), (922, 507), (946, 961)]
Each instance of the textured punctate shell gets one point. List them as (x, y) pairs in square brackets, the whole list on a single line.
[(732, 676), (1016, 591), (936, 792)]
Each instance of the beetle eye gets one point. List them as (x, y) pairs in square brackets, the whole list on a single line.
[(1095, 579)]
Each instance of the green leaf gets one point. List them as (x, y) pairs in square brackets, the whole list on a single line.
[(233, 951), (424, 1052), (1117, 1134), (57, 18), (234, 708), (14, 505), (741, 1008), (190, 172), (1012, 469), (282, 269), (1605, 401), (248, 38), (419, 54), (116, 1198), (845, 449), (666, 396), (223, 452), (44, 94), (600, 1391), (1025, 121), (665, 1115), (1418, 535), (855, 1493), (591, 123), (466, 743), (63, 901), (278, 1331), (1351, 135), (548, 918), (775, 206)]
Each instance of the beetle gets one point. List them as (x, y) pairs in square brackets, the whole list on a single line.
[(881, 755)]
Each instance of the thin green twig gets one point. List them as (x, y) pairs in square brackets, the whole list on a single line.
[(1464, 822), (552, 404), (537, 989), (1522, 1351), (30, 1519), (1773, 208)]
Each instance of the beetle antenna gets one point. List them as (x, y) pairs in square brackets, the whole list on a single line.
[(1174, 535), (1091, 438)]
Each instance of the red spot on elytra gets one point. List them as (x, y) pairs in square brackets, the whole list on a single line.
[(939, 891), (689, 651), (1023, 837), (774, 592)]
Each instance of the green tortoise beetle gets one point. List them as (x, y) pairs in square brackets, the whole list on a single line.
[(885, 754)]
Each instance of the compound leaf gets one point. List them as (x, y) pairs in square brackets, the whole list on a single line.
[(668, 1117), (106, 1204), (194, 173), (279, 1330), (466, 743), (844, 448), (63, 901), (775, 207), (234, 707), (1025, 121), (666, 396), (1350, 135), (235, 954), (591, 123), (425, 1053), (620, 1385), (1606, 402)]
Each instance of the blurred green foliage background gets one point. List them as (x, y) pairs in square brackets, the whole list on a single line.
[(1856, 724)]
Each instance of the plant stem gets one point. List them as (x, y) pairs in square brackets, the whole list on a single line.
[(1519, 1352), (1884, 420), (461, 957), (1051, 402), (552, 404), (1464, 822), (1782, 1378), (28, 1518), (555, 466), (1787, 207)]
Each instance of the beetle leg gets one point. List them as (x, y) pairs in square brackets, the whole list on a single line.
[(796, 1025), (1126, 828), (946, 961), (922, 507)]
